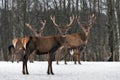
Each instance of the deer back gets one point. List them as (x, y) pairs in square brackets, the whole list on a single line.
[(45, 44)]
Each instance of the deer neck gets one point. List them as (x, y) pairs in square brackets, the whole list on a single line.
[(84, 36)]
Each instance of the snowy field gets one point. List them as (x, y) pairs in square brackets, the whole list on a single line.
[(37, 71)]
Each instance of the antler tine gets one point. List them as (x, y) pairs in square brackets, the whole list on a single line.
[(30, 27), (53, 20), (43, 25), (78, 20), (92, 19), (71, 21)]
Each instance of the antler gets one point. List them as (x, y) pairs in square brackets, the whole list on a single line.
[(43, 25), (53, 20), (63, 30), (92, 19), (30, 27), (71, 21), (78, 20)]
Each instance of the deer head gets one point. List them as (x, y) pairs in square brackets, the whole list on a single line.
[(86, 28), (62, 29)]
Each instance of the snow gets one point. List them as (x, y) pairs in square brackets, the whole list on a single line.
[(38, 71)]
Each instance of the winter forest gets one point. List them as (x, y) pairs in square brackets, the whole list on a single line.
[(104, 37)]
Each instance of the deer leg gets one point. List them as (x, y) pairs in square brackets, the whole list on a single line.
[(17, 57), (57, 62), (23, 71), (49, 71), (57, 58), (52, 55), (74, 59), (51, 68), (78, 58), (48, 67), (65, 60), (26, 67), (25, 59), (12, 57), (31, 58), (48, 64), (65, 56)]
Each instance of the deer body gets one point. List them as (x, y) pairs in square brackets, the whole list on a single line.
[(75, 43), (76, 39), (50, 41), (43, 45)]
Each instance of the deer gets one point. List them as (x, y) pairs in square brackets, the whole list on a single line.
[(62, 30), (20, 43), (38, 44), (80, 39), (76, 42)]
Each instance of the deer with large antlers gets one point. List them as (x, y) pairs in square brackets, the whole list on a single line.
[(63, 31), (77, 41), (80, 39), (20, 43)]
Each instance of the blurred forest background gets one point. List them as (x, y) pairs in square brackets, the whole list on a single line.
[(104, 38)]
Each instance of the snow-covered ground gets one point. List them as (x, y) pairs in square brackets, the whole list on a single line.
[(37, 70)]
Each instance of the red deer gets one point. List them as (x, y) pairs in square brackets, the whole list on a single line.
[(77, 41), (38, 44), (20, 43), (62, 30)]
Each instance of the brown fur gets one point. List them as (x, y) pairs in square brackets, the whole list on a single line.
[(43, 45), (20, 45), (77, 41)]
